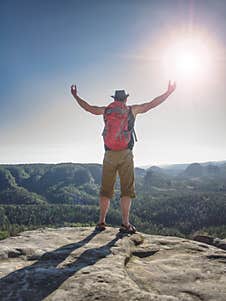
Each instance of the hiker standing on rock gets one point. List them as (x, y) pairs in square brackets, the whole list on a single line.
[(119, 135)]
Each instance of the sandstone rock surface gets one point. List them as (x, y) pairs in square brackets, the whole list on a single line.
[(80, 264)]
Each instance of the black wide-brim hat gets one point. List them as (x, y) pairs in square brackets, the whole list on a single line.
[(120, 95)]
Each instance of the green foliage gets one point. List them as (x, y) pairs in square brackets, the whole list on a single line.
[(186, 213), (18, 173), (49, 214), (66, 173), (215, 231), (169, 202), (156, 179), (19, 195), (7, 181), (4, 234)]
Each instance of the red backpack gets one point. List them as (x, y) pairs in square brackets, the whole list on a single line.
[(116, 133)]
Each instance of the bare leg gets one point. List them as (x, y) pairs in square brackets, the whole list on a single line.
[(125, 208), (104, 205)]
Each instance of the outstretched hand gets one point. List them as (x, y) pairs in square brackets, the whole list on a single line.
[(74, 90), (171, 87)]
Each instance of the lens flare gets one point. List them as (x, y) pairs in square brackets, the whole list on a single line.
[(187, 58)]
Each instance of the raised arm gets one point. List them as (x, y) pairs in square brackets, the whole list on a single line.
[(87, 107), (143, 108)]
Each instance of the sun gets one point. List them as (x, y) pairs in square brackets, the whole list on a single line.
[(187, 58), (187, 61)]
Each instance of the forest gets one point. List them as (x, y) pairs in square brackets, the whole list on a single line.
[(180, 200)]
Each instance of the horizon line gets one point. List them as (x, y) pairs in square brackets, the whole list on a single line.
[(139, 166)]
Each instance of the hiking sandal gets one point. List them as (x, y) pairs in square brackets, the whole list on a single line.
[(130, 229), (100, 226)]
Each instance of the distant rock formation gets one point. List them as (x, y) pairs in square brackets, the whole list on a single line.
[(155, 176), (194, 170), (198, 170), (80, 264), (212, 170)]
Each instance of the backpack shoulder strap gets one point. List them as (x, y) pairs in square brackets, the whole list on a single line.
[(132, 130)]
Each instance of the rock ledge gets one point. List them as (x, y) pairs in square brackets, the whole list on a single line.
[(80, 264)]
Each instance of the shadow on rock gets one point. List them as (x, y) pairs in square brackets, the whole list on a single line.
[(37, 281)]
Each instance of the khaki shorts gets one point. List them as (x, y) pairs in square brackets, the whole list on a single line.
[(121, 162)]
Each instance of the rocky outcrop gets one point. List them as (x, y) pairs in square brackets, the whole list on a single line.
[(217, 242), (194, 170), (80, 264)]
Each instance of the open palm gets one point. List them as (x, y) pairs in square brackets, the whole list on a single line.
[(171, 87), (74, 90)]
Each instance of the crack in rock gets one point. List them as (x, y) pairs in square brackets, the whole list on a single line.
[(198, 297), (221, 258), (143, 254)]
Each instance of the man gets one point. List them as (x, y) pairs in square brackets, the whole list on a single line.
[(118, 142)]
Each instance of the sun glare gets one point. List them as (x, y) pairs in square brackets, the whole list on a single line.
[(187, 58)]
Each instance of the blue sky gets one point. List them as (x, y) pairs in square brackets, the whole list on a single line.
[(102, 46)]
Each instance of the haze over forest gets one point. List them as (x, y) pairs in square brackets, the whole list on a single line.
[(175, 200)]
